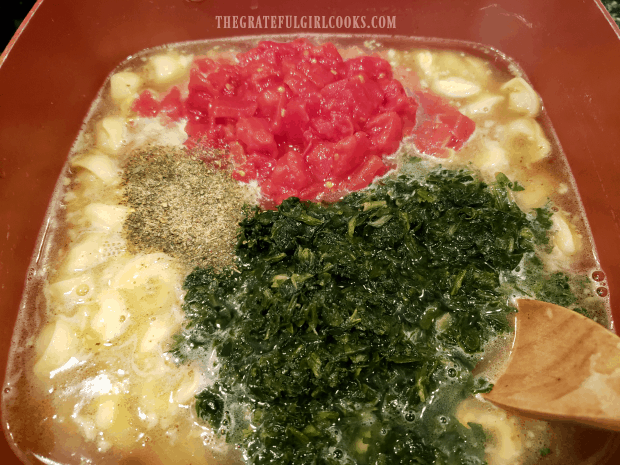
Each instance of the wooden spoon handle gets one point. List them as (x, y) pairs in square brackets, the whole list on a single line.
[(564, 366)]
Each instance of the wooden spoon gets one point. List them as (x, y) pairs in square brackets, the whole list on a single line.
[(563, 366)]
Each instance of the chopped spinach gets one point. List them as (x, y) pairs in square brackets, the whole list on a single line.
[(347, 333)]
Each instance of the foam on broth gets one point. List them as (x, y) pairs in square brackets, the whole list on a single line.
[(106, 393)]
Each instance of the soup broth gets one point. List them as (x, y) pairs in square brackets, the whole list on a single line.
[(91, 378)]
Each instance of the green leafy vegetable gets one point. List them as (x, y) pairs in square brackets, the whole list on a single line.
[(347, 333)]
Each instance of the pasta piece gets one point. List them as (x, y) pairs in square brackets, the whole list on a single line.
[(124, 85), (144, 268), (424, 60), (483, 106), (113, 318), (505, 445), (116, 419), (108, 217), (150, 284), (151, 131), (86, 254), (521, 97), (67, 293), (536, 193), (106, 413), (101, 166), (156, 334), (492, 158), (477, 67), (526, 139), (456, 87), (167, 68), (154, 400), (456, 64), (565, 240), (188, 390), (111, 134), (57, 345)]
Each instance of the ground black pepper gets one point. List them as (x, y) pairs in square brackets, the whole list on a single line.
[(182, 207)]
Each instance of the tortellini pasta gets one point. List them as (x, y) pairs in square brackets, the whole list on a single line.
[(100, 165), (521, 97), (111, 134)]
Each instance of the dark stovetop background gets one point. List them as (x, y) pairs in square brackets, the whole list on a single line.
[(11, 15), (14, 11)]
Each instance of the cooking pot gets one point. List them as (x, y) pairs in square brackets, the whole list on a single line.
[(63, 51)]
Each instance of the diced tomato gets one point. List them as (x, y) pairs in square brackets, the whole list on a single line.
[(407, 77), (462, 129), (300, 84), (303, 121), (440, 126), (224, 81), (385, 132), (313, 191), (271, 52), (268, 102), (357, 97), (197, 103), (349, 153), (146, 105), (274, 194), (364, 97), (431, 137), (231, 107), (228, 132), (198, 82), (373, 166), (374, 67), (327, 55), (335, 127), (172, 106), (301, 45), (316, 73), (263, 164), (255, 134), (205, 65), (252, 166), (295, 120), (237, 153), (260, 76), (289, 176), (321, 160), (243, 170), (409, 123), (342, 124), (323, 129), (291, 171), (244, 173), (333, 98), (217, 135), (432, 104), (196, 129), (395, 97), (271, 105)]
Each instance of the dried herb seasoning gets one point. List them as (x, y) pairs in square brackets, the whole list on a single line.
[(182, 206)]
